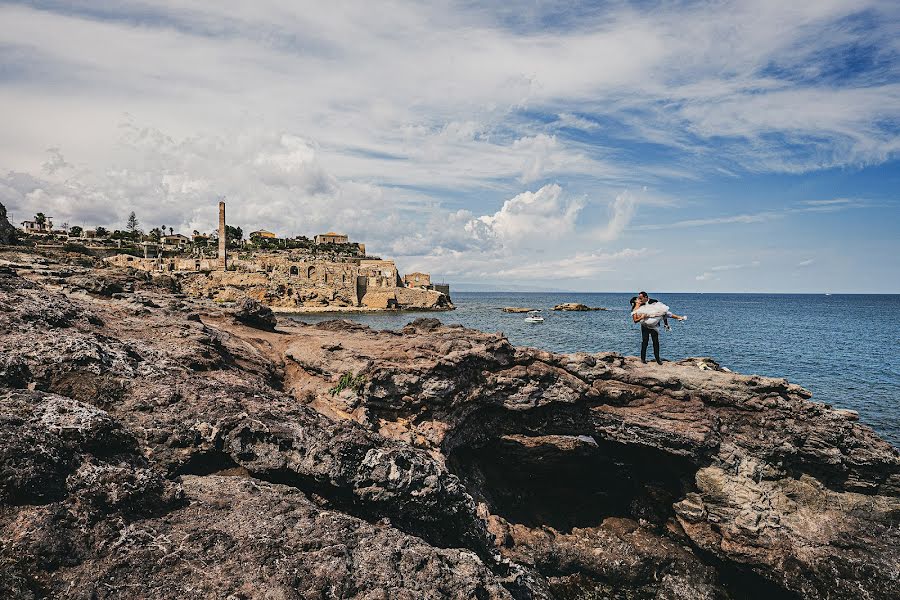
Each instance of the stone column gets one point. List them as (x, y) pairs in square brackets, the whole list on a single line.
[(223, 261)]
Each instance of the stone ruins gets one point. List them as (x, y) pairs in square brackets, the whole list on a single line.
[(296, 279)]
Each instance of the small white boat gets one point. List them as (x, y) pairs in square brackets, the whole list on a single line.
[(534, 317)]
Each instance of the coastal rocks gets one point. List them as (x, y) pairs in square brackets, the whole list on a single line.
[(576, 307), (180, 452), (421, 299), (8, 233), (252, 313), (516, 309), (741, 468), (245, 538), (100, 285)]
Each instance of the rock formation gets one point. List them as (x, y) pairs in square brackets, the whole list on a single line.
[(250, 312), (576, 307), (154, 445), (7, 231), (516, 309)]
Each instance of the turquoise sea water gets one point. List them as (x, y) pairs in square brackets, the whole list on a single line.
[(844, 348)]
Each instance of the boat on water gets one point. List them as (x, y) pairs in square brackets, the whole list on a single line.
[(534, 316)]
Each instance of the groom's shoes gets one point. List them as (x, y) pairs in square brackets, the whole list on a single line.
[(659, 361)]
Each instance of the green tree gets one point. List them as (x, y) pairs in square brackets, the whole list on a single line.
[(40, 219), (233, 233), (102, 232), (133, 226), (75, 231), (155, 234)]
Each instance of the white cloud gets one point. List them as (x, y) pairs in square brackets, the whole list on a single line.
[(711, 273), (575, 122), (418, 126), (621, 211), (759, 217), (806, 262), (579, 266), (734, 267), (530, 218)]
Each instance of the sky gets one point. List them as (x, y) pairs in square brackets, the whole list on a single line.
[(749, 146)]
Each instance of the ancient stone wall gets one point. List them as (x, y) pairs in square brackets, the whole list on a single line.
[(284, 281)]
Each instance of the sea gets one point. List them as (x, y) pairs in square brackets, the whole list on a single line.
[(844, 348)]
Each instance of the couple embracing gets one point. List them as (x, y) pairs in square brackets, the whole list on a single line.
[(649, 312)]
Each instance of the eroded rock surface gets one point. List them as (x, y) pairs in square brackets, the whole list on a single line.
[(154, 445), (8, 233)]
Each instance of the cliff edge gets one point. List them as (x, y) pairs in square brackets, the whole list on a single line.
[(156, 445)]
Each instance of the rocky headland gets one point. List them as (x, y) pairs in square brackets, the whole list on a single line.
[(158, 445)]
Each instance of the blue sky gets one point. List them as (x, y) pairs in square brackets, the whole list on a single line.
[(675, 146)]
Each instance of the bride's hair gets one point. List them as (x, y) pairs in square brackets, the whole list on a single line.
[(633, 301)]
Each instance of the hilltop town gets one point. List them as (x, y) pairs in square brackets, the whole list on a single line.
[(323, 274)]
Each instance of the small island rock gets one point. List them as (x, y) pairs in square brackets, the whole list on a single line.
[(576, 307)]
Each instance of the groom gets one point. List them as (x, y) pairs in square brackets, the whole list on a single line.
[(649, 331)]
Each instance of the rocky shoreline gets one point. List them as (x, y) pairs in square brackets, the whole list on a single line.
[(305, 310), (158, 445)]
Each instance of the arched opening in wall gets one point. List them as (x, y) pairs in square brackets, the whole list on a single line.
[(197, 266), (294, 271), (310, 271), (326, 276), (269, 268), (171, 266)]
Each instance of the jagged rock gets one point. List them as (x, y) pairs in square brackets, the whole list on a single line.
[(100, 285), (453, 465), (8, 233), (252, 313), (516, 309)]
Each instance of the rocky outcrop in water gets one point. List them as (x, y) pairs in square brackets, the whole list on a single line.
[(152, 445), (576, 307)]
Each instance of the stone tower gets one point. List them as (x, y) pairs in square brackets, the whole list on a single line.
[(223, 261)]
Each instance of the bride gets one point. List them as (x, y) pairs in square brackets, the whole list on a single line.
[(649, 313)]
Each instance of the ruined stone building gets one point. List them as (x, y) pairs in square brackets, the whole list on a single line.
[(332, 238), (422, 280), (287, 280)]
